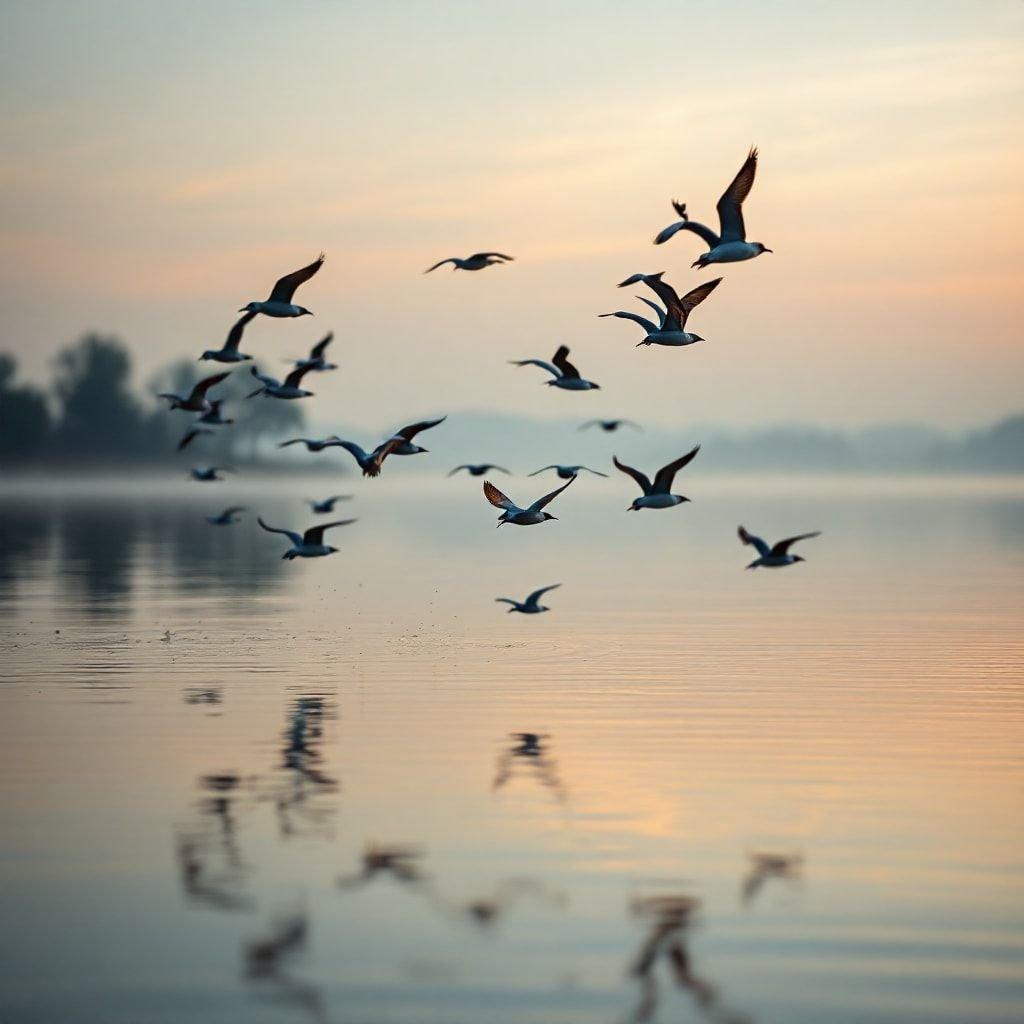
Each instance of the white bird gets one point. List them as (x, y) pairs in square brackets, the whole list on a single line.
[(227, 517), (564, 374), (228, 352), (191, 435), (273, 388), (530, 606), (280, 302), (196, 400), (214, 417), (325, 505), (309, 544), (609, 426), (567, 472), (777, 555), (479, 468), (315, 360), (672, 330), (314, 444), (730, 245), (207, 474), (478, 261), (531, 516), (656, 495)]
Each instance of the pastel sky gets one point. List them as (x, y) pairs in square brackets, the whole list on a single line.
[(166, 162)]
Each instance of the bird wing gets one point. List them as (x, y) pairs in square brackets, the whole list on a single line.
[(539, 471), (233, 509), (294, 379), (497, 499), (441, 264), (561, 360), (630, 423), (317, 351), (541, 502), (749, 538), (484, 255), (383, 450), (594, 471), (538, 594), (663, 290), (295, 538), (632, 279), (730, 206), (235, 334), (553, 370), (583, 426), (659, 312), (199, 391), (190, 436), (502, 469), (506, 600), (315, 534), (694, 298), (285, 287), (666, 233), (640, 478), (782, 547), (409, 432), (456, 469), (648, 325), (689, 225), (664, 477), (263, 378), (353, 449)]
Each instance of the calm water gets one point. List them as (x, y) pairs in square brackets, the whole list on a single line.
[(240, 789)]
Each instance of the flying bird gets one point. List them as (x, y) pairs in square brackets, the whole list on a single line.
[(610, 426), (191, 435), (214, 417), (316, 360), (208, 474), (314, 444), (777, 555), (403, 438), (769, 865), (228, 352), (273, 388), (280, 302), (369, 462), (478, 468), (196, 400), (730, 245), (309, 544), (530, 606), (478, 261), (324, 505), (564, 375), (672, 330), (227, 517), (531, 516), (567, 472), (656, 495)]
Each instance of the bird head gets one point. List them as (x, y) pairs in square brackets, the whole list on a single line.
[(548, 515), (681, 497), (331, 550), (208, 354), (250, 307), (799, 558), (415, 449), (304, 312), (695, 338), (595, 387), (761, 247)]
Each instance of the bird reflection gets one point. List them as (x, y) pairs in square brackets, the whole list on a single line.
[(484, 912), (267, 965), (203, 695), (397, 862), (765, 865), (528, 755)]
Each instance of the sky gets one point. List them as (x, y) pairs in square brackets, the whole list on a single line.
[(165, 163)]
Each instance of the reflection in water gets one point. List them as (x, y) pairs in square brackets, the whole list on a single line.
[(203, 695), (397, 862), (763, 866), (485, 911), (268, 967), (528, 755)]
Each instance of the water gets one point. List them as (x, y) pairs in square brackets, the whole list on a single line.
[(236, 788)]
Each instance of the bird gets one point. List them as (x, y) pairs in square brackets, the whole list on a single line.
[(315, 360), (531, 516), (610, 426), (657, 495), (208, 474), (196, 400), (567, 472), (530, 606), (404, 436), (228, 352), (564, 374), (324, 505), (227, 517), (191, 435), (730, 245), (479, 468), (273, 388), (214, 417), (369, 462), (478, 261), (777, 555), (309, 544), (769, 865), (672, 330), (314, 444), (280, 302)]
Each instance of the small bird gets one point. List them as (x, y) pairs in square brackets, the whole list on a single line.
[(228, 352), (478, 261), (769, 865), (730, 245), (309, 544), (315, 360), (280, 302), (314, 444), (273, 388), (777, 555), (657, 495), (568, 472), (403, 437), (324, 505), (227, 517), (196, 400), (207, 474), (610, 426), (478, 468), (517, 516), (191, 435), (530, 606), (672, 331), (564, 374), (214, 417)]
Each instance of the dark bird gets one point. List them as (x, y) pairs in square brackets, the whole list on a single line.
[(672, 330), (531, 516), (400, 862), (208, 474), (610, 426), (777, 555), (273, 388), (564, 375), (530, 606), (400, 443), (280, 302), (478, 468), (656, 495), (214, 417), (769, 865), (309, 544), (196, 400), (404, 437), (478, 261), (567, 472), (314, 444), (228, 352), (191, 435), (315, 360), (326, 505), (227, 517)]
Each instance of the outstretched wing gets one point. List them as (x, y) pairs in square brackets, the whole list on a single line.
[(199, 391), (730, 206), (544, 470), (233, 509), (594, 471), (688, 225), (317, 351), (782, 547), (294, 379), (648, 325), (409, 432), (353, 449), (294, 440), (295, 538), (315, 534), (640, 478), (506, 600), (541, 502), (659, 312), (695, 298), (561, 360), (538, 594), (484, 255), (663, 290), (497, 499), (441, 264), (235, 334), (749, 538), (553, 370), (664, 477), (632, 279), (285, 287), (191, 436), (456, 469), (583, 426)]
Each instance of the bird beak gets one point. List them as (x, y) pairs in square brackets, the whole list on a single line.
[(769, 250), (243, 310)]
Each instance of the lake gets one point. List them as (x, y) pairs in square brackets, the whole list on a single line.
[(237, 788)]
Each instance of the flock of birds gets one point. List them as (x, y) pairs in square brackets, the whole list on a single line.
[(728, 245)]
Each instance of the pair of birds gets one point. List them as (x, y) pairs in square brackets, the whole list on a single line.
[(229, 352)]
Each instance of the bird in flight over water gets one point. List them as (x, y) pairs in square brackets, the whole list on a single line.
[(309, 544), (280, 302), (227, 517), (478, 261), (777, 555), (273, 388), (196, 400), (316, 359), (479, 468), (609, 426), (531, 516), (531, 605), (228, 352), (564, 375), (325, 505), (567, 472), (656, 495)]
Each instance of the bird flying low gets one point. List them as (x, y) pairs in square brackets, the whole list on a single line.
[(672, 329), (280, 302), (730, 245), (227, 517), (777, 555), (316, 359), (309, 544), (313, 444), (656, 495), (191, 435), (479, 468), (564, 374), (213, 415), (531, 605), (273, 388), (531, 516), (478, 261), (196, 400), (400, 443), (609, 426), (567, 472), (324, 505), (208, 474), (228, 352)]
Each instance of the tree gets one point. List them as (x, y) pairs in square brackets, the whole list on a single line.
[(25, 423)]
